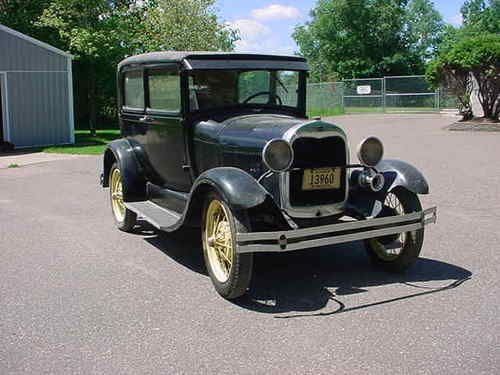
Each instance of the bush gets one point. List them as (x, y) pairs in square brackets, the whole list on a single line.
[(471, 58)]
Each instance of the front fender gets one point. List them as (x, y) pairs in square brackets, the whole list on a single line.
[(134, 184), (237, 187), (400, 173), (365, 203)]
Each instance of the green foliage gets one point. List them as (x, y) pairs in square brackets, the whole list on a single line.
[(99, 33), (92, 30), (184, 25), (369, 38), (477, 57), (424, 27), (481, 15), (21, 15)]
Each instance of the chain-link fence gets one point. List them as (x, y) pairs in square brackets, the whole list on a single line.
[(364, 95), (388, 94), (325, 99)]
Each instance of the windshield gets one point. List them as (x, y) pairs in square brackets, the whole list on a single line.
[(211, 89)]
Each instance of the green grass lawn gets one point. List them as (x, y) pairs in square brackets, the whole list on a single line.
[(325, 112), (389, 109), (85, 144)]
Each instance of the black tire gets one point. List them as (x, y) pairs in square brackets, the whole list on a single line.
[(410, 246), (240, 273), (126, 221)]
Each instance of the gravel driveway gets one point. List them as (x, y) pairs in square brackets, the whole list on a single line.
[(78, 296)]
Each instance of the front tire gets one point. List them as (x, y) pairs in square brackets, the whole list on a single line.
[(395, 253), (229, 271), (125, 219)]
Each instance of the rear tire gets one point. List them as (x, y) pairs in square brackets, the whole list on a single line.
[(395, 253), (229, 271), (125, 219)]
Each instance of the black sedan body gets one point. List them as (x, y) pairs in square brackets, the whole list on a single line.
[(222, 141)]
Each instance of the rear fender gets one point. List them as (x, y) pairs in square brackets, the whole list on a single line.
[(134, 183)]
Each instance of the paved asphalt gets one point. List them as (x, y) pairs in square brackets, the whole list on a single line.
[(78, 296)]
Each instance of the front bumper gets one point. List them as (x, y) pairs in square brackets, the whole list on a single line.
[(282, 241)]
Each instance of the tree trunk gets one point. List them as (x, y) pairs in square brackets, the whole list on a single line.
[(487, 94), (92, 100)]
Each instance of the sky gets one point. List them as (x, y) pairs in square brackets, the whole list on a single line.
[(266, 26)]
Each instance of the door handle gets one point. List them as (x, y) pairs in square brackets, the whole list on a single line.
[(145, 119)]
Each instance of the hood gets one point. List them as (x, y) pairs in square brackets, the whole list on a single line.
[(245, 133), (239, 141)]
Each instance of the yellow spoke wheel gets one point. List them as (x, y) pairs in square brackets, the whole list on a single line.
[(124, 218), (219, 241), (230, 272), (116, 187)]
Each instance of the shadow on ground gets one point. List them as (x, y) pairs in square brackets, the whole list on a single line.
[(315, 282)]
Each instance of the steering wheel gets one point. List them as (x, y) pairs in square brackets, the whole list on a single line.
[(268, 93)]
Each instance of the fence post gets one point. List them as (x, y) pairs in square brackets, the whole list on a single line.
[(383, 95), (342, 92), (438, 98)]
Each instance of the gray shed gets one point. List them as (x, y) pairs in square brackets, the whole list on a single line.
[(36, 92)]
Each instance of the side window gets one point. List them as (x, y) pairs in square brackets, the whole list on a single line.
[(164, 91), (134, 90), (288, 87)]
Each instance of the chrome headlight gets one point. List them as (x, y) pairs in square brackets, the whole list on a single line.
[(370, 151), (277, 155)]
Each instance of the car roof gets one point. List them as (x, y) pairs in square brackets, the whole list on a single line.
[(187, 57)]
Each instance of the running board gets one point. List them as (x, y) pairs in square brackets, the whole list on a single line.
[(161, 218)]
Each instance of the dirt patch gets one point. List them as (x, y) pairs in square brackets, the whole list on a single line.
[(476, 125)]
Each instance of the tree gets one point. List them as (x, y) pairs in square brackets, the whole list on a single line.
[(98, 33), (424, 27), (471, 58), (21, 15), (185, 25), (481, 15), (360, 38)]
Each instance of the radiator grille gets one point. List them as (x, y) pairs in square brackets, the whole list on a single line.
[(317, 153)]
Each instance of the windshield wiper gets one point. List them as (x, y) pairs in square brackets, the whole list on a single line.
[(282, 85)]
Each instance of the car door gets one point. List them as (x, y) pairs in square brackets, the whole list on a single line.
[(133, 106), (165, 138)]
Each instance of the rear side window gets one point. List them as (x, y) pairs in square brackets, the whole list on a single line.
[(164, 91), (134, 90)]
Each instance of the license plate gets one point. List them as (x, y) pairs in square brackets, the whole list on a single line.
[(321, 179)]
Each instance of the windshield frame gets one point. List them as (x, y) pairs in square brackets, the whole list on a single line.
[(298, 110)]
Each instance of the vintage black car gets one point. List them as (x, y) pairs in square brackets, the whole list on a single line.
[(221, 141)]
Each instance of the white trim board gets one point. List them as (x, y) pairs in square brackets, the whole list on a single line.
[(71, 114), (37, 42), (5, 107)]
